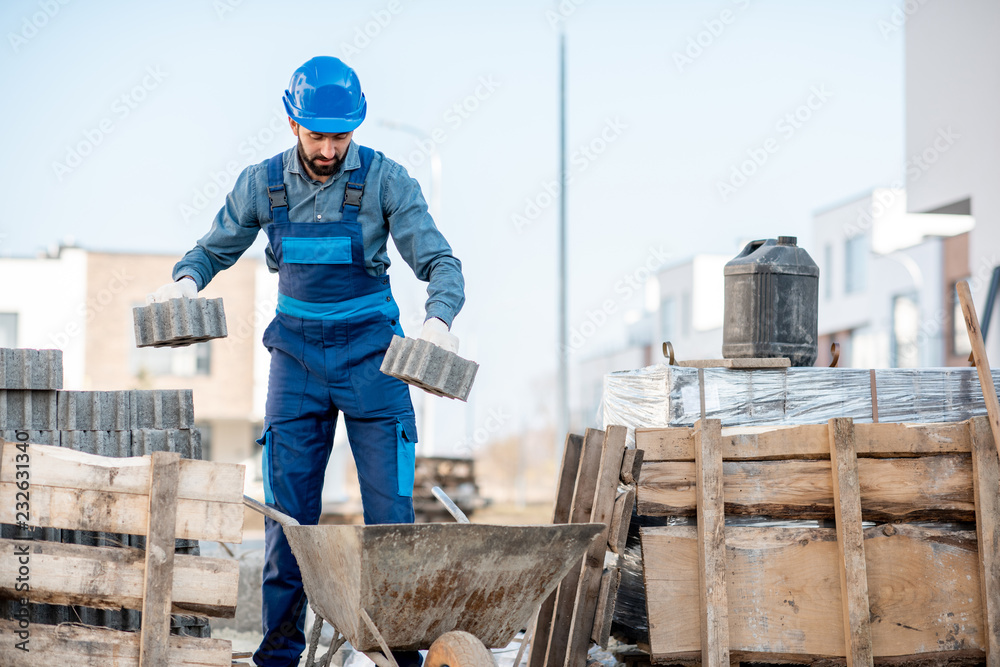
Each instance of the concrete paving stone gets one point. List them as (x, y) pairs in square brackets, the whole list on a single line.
[(94, 410), (432, 368), (22, 368), (185, 441), (161, 408), (32, 436), (105, 443), (179, 322), (28, 409)]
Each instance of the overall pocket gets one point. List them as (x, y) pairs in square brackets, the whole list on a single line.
[(406, 439), (265, 461), (320, 250)]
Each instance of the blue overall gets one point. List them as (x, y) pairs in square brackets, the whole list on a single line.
[(333, 325)]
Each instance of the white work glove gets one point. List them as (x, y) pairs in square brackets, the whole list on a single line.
[(436, 331), (185, 288)]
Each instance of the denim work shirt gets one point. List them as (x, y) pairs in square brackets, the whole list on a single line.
[(392, 204)]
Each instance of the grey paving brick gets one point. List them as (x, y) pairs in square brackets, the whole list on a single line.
[(31, 369), (27, 409), (433, 369), (32, 436), (161, 408), (179, 322), (94, 410), (105, 443), (186, 441)]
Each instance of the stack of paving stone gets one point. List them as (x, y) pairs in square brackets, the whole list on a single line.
[(111, 423), (35, 408)]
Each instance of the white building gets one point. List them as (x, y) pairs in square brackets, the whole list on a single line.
[(683, 305), (886, 282), (952, 136), (691, 306)]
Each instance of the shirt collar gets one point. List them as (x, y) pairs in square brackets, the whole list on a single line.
[(351, 161)]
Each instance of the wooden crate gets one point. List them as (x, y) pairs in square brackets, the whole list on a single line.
[(895, 592), (162, 497), (596, 484)]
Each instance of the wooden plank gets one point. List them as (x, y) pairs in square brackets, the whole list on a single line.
[(57, 507), (603, 617), (582, 506), (61, 467), (743, 364), (631, 465), (713, 603), (86, 646), (154, 647), (909, 489), (621, 518), (850, 543), (783, 587), (981, 360), (112, 578), (79, 491), (560, 514), (986, 476), (585, 606), (810, 441)]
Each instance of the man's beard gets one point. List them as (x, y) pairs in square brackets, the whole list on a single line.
[(318, 169)]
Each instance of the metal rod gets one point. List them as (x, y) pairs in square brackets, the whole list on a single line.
[(269, 512), (450, 505), (991, 298), (562, 390)]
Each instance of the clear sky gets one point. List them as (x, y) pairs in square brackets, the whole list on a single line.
[(121, 118)]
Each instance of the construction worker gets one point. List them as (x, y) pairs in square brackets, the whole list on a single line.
[(327, 206)]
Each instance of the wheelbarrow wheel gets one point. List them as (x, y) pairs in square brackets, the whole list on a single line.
[(458, 649)]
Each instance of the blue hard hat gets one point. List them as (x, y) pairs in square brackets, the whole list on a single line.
[(325, 95)]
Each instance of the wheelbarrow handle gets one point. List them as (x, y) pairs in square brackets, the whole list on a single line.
[(269, 512), (449, 505)]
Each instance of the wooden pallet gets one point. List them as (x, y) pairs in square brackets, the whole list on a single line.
[(894, 592), (163, 497), (580, 611)]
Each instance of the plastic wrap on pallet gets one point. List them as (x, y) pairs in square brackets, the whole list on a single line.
[(630, 623), (660, 396)]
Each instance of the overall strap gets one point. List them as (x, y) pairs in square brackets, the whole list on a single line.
[(356, 185), (276, 189)]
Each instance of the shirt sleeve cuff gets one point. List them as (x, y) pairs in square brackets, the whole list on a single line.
[(181, 271), (440, 311)]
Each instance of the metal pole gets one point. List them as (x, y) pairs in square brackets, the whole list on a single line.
[(562, 390)]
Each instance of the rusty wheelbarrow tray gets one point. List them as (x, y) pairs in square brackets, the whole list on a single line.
[(411, 583)]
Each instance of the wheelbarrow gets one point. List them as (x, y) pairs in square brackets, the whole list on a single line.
[(405, 585)]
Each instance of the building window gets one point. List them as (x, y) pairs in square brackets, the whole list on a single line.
[(855, 264), (668, 319), (186, 361), (905, 327), (960, 345), (203, 359), (827, 271), (8, 329)]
